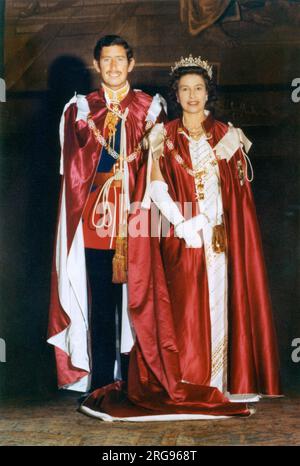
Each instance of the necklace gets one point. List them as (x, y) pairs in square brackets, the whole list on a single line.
[(195, 132)]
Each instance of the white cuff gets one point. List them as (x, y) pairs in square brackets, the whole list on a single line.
[(83, 108)]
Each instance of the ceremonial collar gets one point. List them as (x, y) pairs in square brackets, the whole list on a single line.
[(127, 97), (115, 97)]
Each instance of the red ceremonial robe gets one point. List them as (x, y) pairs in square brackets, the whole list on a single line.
[(169, 308), (81, 154)]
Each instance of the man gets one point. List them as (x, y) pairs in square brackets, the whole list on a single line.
[(101, 137)]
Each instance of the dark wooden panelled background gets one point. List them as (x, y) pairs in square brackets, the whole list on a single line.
[(48, 56)]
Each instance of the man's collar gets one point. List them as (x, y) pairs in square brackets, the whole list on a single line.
[(123, 104), (115, 97)]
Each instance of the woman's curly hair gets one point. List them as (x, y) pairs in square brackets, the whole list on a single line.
[(173, 88)]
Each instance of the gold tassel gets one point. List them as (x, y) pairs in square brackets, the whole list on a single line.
[(219, 242), (120, 260)]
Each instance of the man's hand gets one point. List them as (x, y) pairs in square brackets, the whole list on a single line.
[(83, 108)]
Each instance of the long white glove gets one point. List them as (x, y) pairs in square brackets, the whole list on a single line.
[(159, 194), (194, 224), (83, 108)]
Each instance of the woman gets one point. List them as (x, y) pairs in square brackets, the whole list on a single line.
[(198, 296)]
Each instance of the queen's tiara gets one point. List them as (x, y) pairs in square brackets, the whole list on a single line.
[(190, 61)]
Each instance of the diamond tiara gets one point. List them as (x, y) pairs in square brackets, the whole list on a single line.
[(190, 61)]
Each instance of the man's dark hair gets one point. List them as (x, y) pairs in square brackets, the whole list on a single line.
[(109, 40)]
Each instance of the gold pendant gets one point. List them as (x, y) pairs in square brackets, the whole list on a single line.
[(111, 122), (219, 240)]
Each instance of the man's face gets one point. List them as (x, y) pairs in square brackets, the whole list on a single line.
[(113, 66)]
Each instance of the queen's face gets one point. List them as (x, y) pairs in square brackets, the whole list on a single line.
[(192, 93)]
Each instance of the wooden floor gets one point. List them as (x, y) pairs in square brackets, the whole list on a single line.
[(57, 422)]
